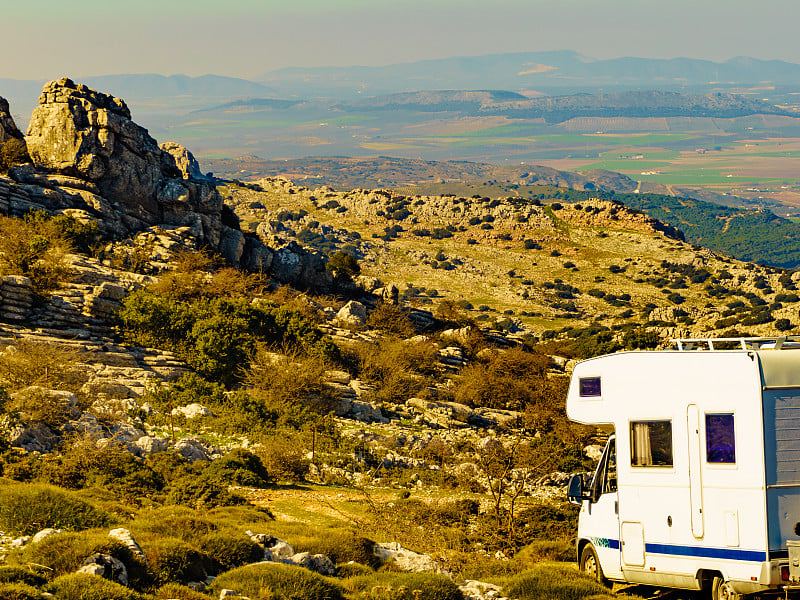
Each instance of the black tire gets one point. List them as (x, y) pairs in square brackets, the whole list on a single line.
[(722, 590), (590, 565)]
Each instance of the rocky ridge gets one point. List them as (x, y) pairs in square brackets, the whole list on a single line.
[(92, 161)]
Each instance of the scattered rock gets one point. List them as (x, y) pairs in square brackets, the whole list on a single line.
[(352, 314), (124, 536), (105, 566), (407, 560), (192, 411), (319, 563), (44, 534)]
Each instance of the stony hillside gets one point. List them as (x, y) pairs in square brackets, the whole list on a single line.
[(219, 389), (525, 268)]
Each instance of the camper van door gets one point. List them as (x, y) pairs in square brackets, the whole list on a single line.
[(599, 518)]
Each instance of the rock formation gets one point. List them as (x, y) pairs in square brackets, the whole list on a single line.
[(184, 160), (78, 132), (8, 129)]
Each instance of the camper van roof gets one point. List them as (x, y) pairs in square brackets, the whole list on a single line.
[(786, 342), (779, 366)]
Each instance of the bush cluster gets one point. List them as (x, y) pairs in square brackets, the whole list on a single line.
[(217, 337)]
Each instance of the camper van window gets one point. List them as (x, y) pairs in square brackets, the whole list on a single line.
[(605, 477), (651, 443), (589, 387), (720, 441)]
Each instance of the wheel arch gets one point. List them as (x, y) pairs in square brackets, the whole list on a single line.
[(579, 546), (705, 577)]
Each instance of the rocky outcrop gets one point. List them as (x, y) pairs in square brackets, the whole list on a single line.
[(185, 161), (8, 129), (78, 132)]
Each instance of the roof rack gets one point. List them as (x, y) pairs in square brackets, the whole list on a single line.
[(739, 343)]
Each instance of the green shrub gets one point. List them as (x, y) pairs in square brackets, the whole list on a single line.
[(34, 248), (170, 560), (554, 583), (173, 521), (341, 547), (344, 265), (201, 491), (239, 467), (277, 581), (13, 151), (283, 458), (509, 380), (291, 388), (28, 508), (398, 369), (20, 574), (65, 552), (19, 591), (49, 365), (390, 319), (352, 569), (176, 591), (405, 586), (112, 467), (80, 586), (217, 336), (229, 550), (548, 550)]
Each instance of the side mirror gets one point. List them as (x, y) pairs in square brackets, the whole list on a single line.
[(575, 489)]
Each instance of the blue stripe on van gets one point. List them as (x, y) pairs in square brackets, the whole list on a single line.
[(605, 543), (699, 551), (702, 552)]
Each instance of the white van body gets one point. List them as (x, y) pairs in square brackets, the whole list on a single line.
[(707, 450)]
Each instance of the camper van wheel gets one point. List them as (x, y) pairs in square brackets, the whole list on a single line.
[(722, 590), (591, 566)]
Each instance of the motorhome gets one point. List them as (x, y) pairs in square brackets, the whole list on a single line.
[(699, 483)]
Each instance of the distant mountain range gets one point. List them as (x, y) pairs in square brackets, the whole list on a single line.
[(545, 71), (562, 108)]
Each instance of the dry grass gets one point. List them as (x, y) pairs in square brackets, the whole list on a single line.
[(54, 366)]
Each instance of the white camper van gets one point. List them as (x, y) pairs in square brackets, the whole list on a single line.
[(699, 484)]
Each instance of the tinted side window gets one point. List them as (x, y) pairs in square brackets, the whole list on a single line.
[(720, 439), (651, 443), (589, 387)]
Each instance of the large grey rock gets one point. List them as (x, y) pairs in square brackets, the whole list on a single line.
[(319, 563), (87, 134), (84, 134), (192, 411), (37, 437), (275, 549), (407, 560), (353, 314), (44, 534), (195, 448), (124, 536), (105, 566), (184, 160), (150, 445)]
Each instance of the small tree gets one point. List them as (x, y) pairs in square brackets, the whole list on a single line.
[(343, 265)]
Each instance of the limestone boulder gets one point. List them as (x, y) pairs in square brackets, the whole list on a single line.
[(352, 314), (89, 136), (319, 563), (106, 566), (124, 536), (185, 161), (195, 410), (44, 534), (407, 560)]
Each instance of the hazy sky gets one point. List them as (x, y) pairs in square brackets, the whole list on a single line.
[(45, 39)]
